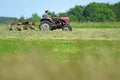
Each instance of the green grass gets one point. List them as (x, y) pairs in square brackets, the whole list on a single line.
[(83, 54), (59, 59), (95, 25), (58, 47)]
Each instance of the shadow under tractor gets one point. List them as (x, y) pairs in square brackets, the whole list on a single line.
[(55, 23)]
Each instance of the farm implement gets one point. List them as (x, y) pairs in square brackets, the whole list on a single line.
[(22, 26), (45, 24)]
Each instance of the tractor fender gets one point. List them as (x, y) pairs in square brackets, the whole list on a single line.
[(45, 20)]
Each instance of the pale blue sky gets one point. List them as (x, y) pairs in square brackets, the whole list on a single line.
[(17, 8)]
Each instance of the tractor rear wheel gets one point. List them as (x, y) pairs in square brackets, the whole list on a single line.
[(45, 25), (67, 28)]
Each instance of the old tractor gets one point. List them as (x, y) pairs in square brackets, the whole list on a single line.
[(55, 23)]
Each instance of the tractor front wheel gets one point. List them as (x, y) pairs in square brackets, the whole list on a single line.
[(67, 28)]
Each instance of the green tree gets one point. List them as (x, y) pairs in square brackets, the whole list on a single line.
[(116, 9), (52, 14), (21, 19), (7, 20), (73, 18), (29, 19), (63, 14), (98, 12), (35, 17), (76, 13)]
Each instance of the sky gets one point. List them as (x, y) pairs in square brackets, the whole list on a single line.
[(18, 8)]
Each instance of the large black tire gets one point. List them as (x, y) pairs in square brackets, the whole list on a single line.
[(67, 28), (45, 25)]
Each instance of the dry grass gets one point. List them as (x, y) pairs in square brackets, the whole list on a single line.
[(93, 34)]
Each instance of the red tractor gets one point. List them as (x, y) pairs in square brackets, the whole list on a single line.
[(55, 23)]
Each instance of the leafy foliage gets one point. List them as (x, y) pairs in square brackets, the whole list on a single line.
[(62, 14), (34, 18), (116, 9), (21, 19), (6, 20), (98, 12), (76, 13), (52, 14), (94, 12)]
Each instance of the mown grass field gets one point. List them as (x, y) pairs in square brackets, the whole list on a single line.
[(83, 54)]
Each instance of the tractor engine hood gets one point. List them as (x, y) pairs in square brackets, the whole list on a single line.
[(66, 19)]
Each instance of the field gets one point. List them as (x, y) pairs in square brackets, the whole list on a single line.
[(83, 54)]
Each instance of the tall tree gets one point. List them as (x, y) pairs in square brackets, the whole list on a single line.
[(63, 14), (7, 20), (52, 14), (116, 9), (76, 13), (98, 12), (21, 19), (35, 17)]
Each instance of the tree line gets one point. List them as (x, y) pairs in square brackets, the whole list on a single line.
[(93, 12), (34, 18)]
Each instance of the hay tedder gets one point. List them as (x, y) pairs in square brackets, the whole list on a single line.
[(22, 26)]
